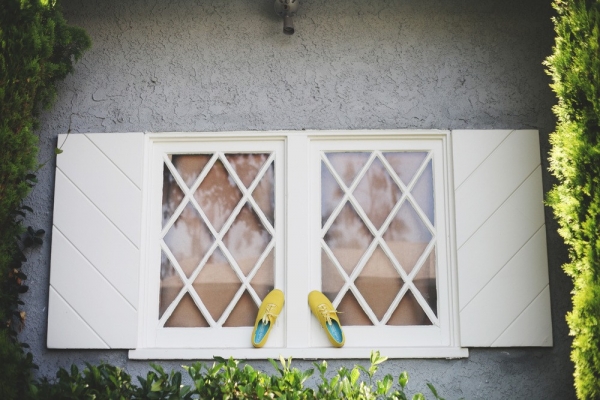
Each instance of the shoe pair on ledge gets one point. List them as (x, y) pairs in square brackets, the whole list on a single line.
[(320, 306)]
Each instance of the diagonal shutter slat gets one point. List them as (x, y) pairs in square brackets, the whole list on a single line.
[(501, 241), (95, 242)]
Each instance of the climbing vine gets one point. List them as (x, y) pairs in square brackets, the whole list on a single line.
[(38, 49)]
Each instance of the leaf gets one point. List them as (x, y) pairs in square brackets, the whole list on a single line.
[(418, 396), (219, 359), (387, 383), (377, 358), (282, 361), (321, 367), (177, 379), (58, 151), (403, 379), (274, 364), (354, 375), (435, 393), (307, 374), (156, 386), (184, 391), (334, 381)]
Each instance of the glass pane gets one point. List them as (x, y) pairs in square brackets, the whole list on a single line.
[(218, 195), (379, 283), (170, 284), (246, 239), (264, 279), (216, 284), (425, 281), (186, 315), (377, 193), (405, 163), (244, 312), (348, 165), (189, 239), (423, 192), (246, 166), (348, 238), (351, 313), (189, 166), (409, 312), (407, 237), (264, 194), (172, 195), (331, 279), (331, 193)]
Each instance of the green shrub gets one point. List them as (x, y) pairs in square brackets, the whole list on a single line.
[(225, 379), (575, 161), (38, 49)]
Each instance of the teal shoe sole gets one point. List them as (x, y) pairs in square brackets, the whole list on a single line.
[(335, 330), (261, 331)]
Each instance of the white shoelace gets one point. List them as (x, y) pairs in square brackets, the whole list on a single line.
[(326, 313), (269, 316)]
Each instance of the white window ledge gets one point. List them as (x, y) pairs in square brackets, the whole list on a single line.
[(304, 354)]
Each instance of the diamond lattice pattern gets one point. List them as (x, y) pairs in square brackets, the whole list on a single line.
[(378, 225), (218, 238)]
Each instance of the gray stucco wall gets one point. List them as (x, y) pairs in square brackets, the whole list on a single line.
[(208, 65)]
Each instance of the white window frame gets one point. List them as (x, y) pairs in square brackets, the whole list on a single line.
[(297, 333), (155, 336), (387, 336)]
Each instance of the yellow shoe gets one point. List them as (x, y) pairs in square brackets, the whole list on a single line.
[(267, 314), (327, 316)]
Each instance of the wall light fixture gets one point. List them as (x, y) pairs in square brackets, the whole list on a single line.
[(287, 9)]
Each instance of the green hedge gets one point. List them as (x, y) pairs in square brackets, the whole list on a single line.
[(227, 379), (38, 49), (575, 161)]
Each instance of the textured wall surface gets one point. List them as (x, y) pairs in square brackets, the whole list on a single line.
[(208, 65)]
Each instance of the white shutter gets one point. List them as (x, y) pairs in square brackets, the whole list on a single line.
[(504, 298), (96, 241)]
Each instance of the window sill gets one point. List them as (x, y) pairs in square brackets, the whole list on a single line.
[(296, 353)]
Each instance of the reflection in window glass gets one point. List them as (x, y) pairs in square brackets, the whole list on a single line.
[(380, 239), (219, 242)]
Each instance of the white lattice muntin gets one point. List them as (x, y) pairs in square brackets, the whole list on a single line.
[(215, 246), (378, 237), (382, 207), (217, 242)]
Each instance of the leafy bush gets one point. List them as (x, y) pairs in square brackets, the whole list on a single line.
[(225, 379), (38, 49), (575, 161)]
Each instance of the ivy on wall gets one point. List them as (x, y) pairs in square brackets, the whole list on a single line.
[(38, 49), (575, 161)]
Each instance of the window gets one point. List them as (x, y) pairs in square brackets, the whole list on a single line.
[(215, 240), (379, 239), (397, 228)]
